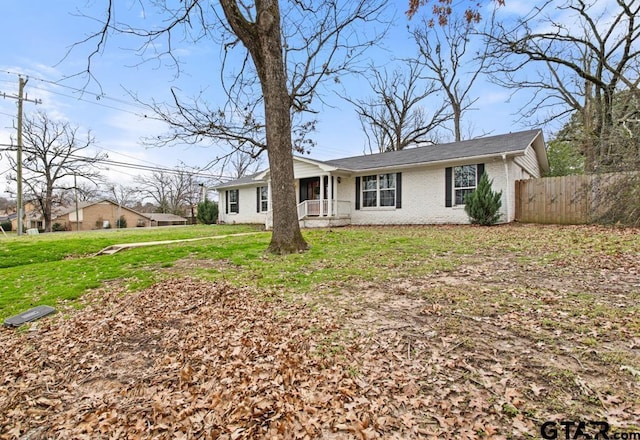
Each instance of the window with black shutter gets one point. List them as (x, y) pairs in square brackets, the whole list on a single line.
[(379, 191), (460, 181)]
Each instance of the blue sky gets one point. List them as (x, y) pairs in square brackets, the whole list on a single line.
[(36, 37)]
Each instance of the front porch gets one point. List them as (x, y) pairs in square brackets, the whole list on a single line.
[(324, 214), (314, 214), (317, 196)]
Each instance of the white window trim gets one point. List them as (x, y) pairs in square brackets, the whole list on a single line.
[(264, 200), (236, 203), (377, 207), (455, 188)]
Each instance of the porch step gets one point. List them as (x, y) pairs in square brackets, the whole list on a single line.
[(324, 222)]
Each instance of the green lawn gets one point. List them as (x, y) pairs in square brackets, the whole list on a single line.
[(47, 268)]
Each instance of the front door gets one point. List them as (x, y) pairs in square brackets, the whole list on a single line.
[(310, 190)]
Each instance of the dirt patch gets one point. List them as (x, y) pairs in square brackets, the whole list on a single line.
[(506, 343)]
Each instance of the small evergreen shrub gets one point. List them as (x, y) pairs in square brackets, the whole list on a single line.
[(207, 212), (57, 227), (483, 205), (6, 226), (121, 222)]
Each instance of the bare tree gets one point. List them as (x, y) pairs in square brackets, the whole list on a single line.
[(453, 62), (289, 53), (6, 205), (79, 191), (123, 195), (236, 163), (172, 192), (54, 154), (582, 55), (86, 192), (242, 164), (395, 117)]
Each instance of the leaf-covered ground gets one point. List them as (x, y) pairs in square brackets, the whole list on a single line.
[(514, 336)]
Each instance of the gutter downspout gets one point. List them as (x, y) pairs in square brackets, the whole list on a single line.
[(508, 187)]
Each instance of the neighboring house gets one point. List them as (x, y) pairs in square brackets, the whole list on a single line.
[(423, 185), (33, 218), (105, 213), (10, 218), (166, 219)]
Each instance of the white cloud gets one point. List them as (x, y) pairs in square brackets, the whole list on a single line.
[(493, 97)]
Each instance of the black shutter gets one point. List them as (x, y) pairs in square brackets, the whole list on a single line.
[(398, 190), (448, 187), (357, 192), (258, 199), (226, 202), (479, 172)]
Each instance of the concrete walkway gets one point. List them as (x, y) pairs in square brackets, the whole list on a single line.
[(119, 247)]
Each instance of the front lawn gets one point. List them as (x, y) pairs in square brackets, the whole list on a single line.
[(53, 267), (375, 332)]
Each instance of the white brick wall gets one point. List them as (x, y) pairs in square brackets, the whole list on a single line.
[(246, 208), (423, 196)]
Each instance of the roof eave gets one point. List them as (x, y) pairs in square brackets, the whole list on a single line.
[(255, 181), (466, 159), (538, 146), (322, 165)]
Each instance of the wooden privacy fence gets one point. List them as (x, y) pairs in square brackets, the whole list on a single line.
[(560, 200)]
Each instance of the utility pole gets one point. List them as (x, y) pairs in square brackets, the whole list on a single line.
[(20, 98), (75, 186)]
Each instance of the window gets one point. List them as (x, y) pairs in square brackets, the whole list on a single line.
[(232, 201), (262, 199), (379, 190), (464, 182)]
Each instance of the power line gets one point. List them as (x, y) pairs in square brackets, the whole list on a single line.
[(139, 167), (126, 155), (97, 96), (99, 104)]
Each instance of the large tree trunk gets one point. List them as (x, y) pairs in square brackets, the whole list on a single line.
[(264, 42), (457, 120), (46, 210)]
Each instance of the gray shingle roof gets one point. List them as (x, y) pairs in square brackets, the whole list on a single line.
[(159, 217), (510, 143), (492, 145), (245, 180)]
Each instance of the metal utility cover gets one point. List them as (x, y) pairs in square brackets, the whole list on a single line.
[(28, 316)]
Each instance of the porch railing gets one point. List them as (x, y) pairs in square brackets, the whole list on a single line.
[(341, 209), (311, 208)]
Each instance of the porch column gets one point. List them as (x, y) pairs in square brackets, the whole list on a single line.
[(321, 201), (330, 198), (268, 218)]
